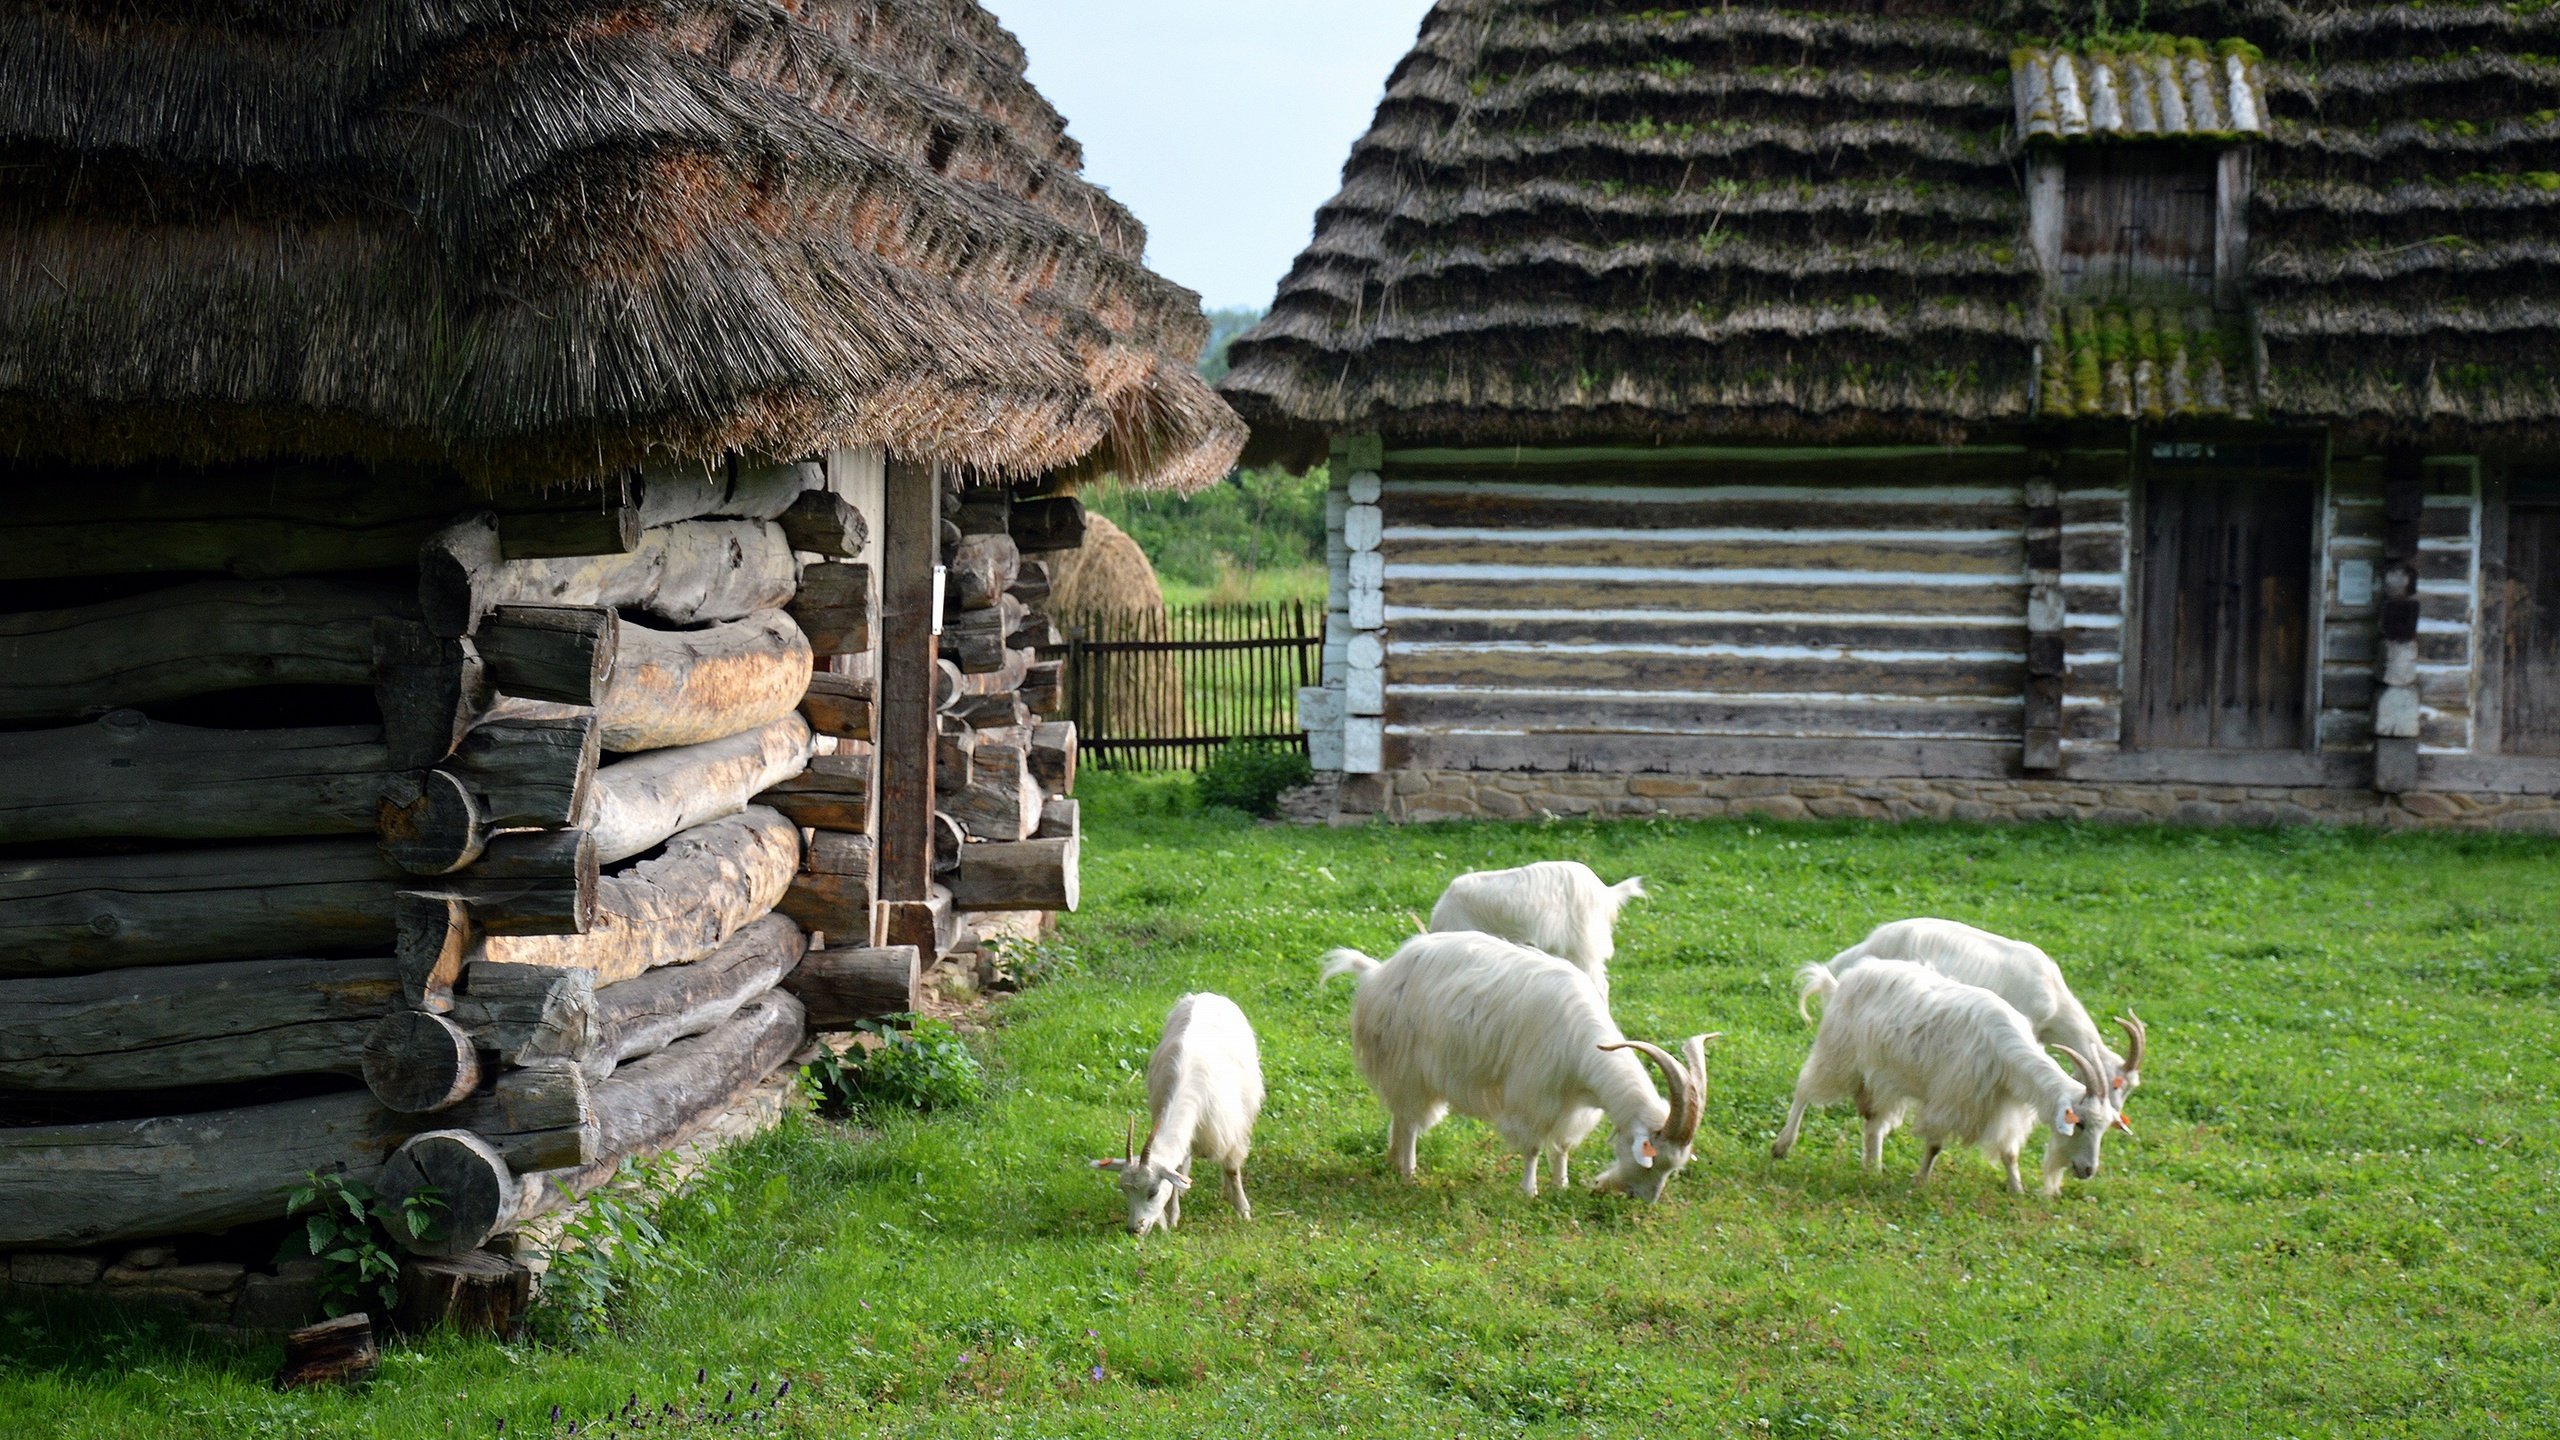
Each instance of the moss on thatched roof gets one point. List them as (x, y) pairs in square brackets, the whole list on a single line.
[(1586, 219), (540, 238)]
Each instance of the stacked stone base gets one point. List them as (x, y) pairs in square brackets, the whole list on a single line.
[(1423, 795)]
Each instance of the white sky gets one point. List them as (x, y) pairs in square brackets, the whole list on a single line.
[(1222, 124)]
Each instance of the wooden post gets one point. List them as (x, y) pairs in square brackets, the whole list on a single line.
[(2395, 696), (2042, 748), (909, 671)]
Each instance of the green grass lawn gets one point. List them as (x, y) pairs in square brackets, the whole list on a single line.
[(2338, 1216)]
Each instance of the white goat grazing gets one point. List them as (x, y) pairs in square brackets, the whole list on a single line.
[(1896, 1036), (1557, 906), (1204, 1089), (2015, 971), (1520, 1040)]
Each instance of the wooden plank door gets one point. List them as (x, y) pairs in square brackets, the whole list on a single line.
[(2530, 678), (2226, 614)]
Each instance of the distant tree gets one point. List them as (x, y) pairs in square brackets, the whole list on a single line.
[(1224, 327)]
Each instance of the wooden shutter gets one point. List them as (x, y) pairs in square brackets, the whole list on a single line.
[(2226, 614)]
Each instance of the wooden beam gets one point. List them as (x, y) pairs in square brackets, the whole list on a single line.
[(640, 801), (707, 884), (839, 705), (832, 793), (819, 522), (833, 607), (415, 1062), (980, 571), (175, 1026), (252, 521), (607, 523), (429, 688), (128, 775), (222, 903), (475, 1190), (841, 988), (507, 774), (911, 545), (1056, 523), (683, 687), (1001, 801), (685, 573), (728, 491), (1053, 756), (645, 1015), (189, 640), (1020, 875), (981, 641), (560, 653), (432, 936)]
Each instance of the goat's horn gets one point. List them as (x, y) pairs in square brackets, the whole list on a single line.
[(1686, 1103), (2134, 1035), (1130, 1148), (2089, 1076), (1695, 1053)]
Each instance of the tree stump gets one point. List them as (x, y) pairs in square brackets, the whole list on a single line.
[(333, 1352)]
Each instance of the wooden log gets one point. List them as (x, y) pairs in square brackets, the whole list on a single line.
[(156, 1027), (1031, 583), (1001, 801), (1005, 681), (982, 512), (1060, 819), (1036, 632), (947, 840), (429, 689), (255, 522), (642, 1016), (930, 924), (333, 1352), (685, 573), (479, 1292), (954, 742), (832, 793), (533, 882), (841, 988), (1017, 875), (1044, 688), (560, 653), (129, 775), (505, 774), (73, 1185), (221, 903), (833, 607), (529, 1013), (469, 1177), (683, 687), (189, 640), (945, 680), (415, 1062), (655, 1097), (1053, 756), (730, 491), (838, 705), (608, 526), (980, 640), (838, 908), (1056, 523), (539, 1117), (684, 904), (981, 569), (639, 802), (819, 522), (990, 712), (432, 935)]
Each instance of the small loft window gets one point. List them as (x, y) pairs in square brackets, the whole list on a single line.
[(2137, 224)]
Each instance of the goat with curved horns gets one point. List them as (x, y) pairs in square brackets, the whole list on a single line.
[(1522, 1041), (1204, 1091)]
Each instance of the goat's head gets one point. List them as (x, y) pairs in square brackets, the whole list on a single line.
[(1148, 1190), (1646, 1161), (2080, 1126)]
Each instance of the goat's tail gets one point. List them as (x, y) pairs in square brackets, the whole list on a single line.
[(1631, 888), (1812, 980), (1346, 962)]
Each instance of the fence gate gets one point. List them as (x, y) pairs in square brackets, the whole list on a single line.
[(1164, 689)]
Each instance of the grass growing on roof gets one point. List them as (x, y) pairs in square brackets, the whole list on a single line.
[(2338, 1218)]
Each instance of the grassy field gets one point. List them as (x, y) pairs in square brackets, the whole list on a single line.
[(2337, 1219)]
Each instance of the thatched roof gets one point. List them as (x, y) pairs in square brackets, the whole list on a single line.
[(1585, 219), (542, 238)]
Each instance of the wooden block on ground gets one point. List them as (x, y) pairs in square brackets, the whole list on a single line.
[(844, 987), (333, 1352), (479, 1292)]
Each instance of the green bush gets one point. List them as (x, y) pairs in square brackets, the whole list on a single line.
[(1249, 776), (1254, 520), (355, 1235), (912, 1063)]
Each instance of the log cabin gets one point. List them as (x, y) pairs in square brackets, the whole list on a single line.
[(1870, 412), (476, 494)]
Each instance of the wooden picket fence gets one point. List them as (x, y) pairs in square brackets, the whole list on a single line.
[(1162, 690)]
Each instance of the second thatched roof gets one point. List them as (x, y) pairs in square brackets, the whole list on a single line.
[(538, 239)]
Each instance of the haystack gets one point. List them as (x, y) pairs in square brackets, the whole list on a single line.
[(1107, 590)]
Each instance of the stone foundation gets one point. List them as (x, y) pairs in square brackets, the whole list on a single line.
[(223, 1294), (1419, 795)]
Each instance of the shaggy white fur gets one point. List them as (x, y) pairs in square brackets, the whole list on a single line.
[(1204, 1090), (1558, 906), (1522, 1041), (1898, 1037), (2014, 970)]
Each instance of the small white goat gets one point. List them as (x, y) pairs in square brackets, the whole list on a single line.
[(1896, 1036), (2014, 970), (1204, 1090), (1557, 906), (1520, 1040)]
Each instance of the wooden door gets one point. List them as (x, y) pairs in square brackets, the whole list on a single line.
[(2138, 223), (2226, 614), (2530, 677)]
